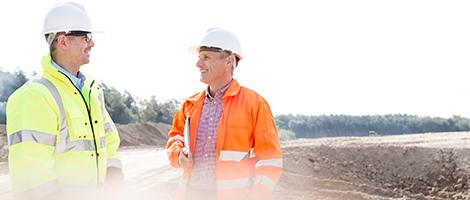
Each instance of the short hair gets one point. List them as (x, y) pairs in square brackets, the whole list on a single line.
[(225, 54), (52, 41)]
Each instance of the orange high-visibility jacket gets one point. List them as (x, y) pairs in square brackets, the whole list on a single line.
[(249, 157)]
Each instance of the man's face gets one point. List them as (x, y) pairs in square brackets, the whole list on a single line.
[(80, 49), (213, 69)]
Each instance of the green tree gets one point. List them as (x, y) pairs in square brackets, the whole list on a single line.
[(9, 83), (286, 134), (345, 125), (299, 127), (120, 107), (3, 109), (152, 111)]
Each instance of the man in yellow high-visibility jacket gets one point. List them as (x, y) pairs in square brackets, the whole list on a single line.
[(62, 141)]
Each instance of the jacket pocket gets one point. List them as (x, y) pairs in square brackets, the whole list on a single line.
[(78, 125), (238, 138)]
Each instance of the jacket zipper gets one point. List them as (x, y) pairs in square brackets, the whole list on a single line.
[(91, 125)]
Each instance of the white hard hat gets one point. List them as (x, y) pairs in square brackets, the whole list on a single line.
[(219, 38), (67, 16)]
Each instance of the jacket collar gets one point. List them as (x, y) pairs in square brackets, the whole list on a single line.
[(48, 68), (232, 90)]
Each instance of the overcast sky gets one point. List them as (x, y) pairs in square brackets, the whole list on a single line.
[(305, 57)]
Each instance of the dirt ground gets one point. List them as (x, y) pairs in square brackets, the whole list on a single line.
[(415, 166)]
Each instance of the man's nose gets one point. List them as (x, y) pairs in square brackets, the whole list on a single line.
[(199, 63), (91, 43)]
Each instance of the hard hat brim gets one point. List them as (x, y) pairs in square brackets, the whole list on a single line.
[(58, 31), (193, 49)]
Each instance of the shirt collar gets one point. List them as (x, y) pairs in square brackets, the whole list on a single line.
[(220, 92), (77, 81)]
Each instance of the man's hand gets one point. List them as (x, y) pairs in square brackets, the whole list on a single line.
[(183, 159)]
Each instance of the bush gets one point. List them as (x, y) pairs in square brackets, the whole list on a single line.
[(286, 135)]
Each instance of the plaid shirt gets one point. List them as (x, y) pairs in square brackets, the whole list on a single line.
[(203, 173)]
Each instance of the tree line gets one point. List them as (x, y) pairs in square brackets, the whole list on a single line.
[(9, 82), (124, 109), (304, 126)]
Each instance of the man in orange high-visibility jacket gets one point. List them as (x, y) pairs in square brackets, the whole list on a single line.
[(234, 150)]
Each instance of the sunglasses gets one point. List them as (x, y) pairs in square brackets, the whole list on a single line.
[(87, 38)]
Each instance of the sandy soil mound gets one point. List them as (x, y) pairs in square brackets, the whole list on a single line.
[(136, 134), (144, 134), (3, 142)]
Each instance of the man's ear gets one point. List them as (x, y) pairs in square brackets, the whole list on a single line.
[(62, 42), (229, 60)]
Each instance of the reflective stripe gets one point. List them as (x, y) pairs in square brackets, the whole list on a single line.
[(43, 190), (246, 183), (64, 128), (183, 184), (103, 142), (65, 145), (100, 97), (177, 142), (176, 137), (77, 145), (50, 140), (265, 181), (30, 135), (85, 192), (171, 147), (109, 127), (234, 184), (114, 162), (236, 155), (272, 162)]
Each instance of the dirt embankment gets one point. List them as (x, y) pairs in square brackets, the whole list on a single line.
[(144, 134), (136, 134), (3, 142)]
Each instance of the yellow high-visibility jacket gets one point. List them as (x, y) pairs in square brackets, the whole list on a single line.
[(60, 139), (249, 156)]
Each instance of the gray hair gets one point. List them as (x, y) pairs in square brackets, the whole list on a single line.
[(51, 38), (225, 54)]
